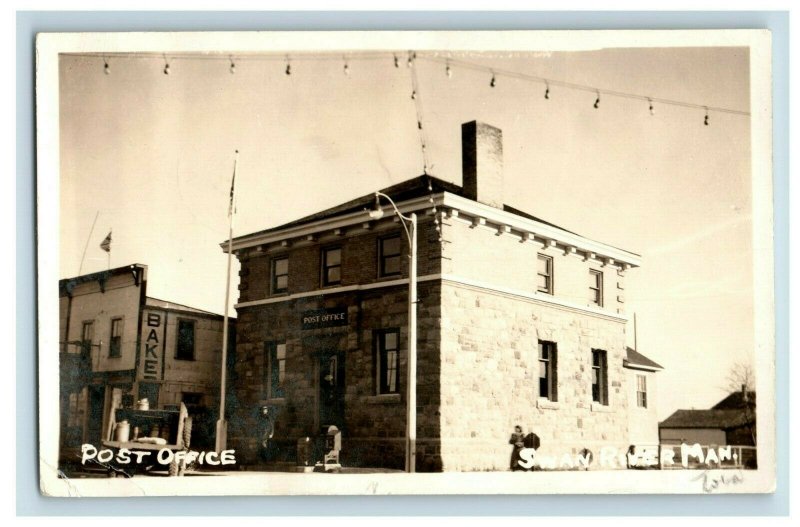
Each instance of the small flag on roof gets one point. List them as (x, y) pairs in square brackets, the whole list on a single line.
[(106, 245)]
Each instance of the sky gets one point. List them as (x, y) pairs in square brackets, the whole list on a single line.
[(151, 156)]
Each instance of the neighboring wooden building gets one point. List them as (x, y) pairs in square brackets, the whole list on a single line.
[(119, 345), (519, 322), (732, 421)]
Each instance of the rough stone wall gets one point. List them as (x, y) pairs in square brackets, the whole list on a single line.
[(490, 378), (374, 429)]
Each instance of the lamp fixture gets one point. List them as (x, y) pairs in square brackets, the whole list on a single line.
[(377, 212)]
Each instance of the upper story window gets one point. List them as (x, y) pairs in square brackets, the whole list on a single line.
[(185, 342), (387, 350), (544, 271), (389, 255), (599, 377), (280, 275), (641, 391), (332, 266), (276, 369), (87, 336), (548, 371), (115, 345), (596, 288)]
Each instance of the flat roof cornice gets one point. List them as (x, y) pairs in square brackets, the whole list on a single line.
[(526, 227), (454, 206)]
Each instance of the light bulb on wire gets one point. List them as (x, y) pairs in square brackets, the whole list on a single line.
[(106, 68), (166, 65), (705, 121), (288, 70), (493, 82), (232, 69), (652, 110), (547, 91), (346, 67), (448, 71), (396, 62)]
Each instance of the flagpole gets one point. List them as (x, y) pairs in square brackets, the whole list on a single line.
[(83, 257), (222, 425)]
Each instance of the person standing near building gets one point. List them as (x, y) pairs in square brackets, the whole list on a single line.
[(517, 439)]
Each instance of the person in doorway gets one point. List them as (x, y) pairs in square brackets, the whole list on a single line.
[(517, 439), (267, 430)]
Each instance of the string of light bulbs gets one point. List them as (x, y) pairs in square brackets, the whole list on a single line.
[(416, 97), (494, 74)]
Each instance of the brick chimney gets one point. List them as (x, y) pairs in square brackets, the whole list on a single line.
[(482, 163)]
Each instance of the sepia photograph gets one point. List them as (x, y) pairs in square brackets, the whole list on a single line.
[(405, 263)]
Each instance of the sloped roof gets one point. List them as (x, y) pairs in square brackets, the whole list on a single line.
[(718, 419), (406, 190), (736, 400), (165, 304), (634, 358)]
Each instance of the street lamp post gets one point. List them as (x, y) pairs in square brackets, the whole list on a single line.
[(410, 226)]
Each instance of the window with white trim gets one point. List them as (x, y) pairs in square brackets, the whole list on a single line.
[(276, 369), (641, 391), (544, 271), (596, 288), (548, 371), (387, 353), (600, 377)]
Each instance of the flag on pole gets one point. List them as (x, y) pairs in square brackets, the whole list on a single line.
[(233, 183), (106, 245)]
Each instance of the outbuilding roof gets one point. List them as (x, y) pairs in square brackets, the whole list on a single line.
[(736, 400), (717, 419)]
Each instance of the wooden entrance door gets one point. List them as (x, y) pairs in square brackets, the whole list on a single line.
[(331, 389)]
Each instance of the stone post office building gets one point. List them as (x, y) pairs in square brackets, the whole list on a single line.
[(119, 345), (519, 322)]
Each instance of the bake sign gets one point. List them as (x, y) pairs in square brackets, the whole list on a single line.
[(152, 336), (324, 318)]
